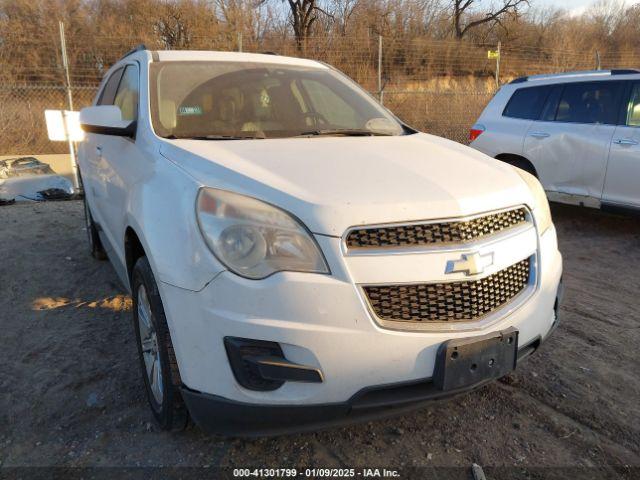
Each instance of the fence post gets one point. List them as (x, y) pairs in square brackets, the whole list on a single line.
[(65, 64), (380, 68), (498, 65)]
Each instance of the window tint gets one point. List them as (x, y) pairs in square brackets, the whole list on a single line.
[(633, 109), (551, 105), (526, 103), (127, 95), (109, 91), (592, 102)]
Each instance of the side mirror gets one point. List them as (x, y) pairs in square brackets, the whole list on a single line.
[(106, 120)]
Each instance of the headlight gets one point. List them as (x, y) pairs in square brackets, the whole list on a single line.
[(255, 239), (541, 211)]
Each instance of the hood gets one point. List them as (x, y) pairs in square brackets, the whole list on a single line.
[(333, 183)]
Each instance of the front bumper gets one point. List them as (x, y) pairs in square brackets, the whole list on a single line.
[(223, 416), (319, 321)]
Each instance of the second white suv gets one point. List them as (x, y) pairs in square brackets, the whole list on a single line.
[(579, 133)]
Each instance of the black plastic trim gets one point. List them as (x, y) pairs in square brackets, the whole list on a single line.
[(625, 71), (282, 370), (138, 48), (617, 209), (519, 80), (247, 374), (128, 131)]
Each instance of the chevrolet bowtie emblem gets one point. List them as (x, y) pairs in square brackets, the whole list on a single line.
[(470, 264)]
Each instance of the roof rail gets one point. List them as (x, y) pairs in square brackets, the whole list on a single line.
[(625, 71), (545, 76), (138, 48), (269, 53)]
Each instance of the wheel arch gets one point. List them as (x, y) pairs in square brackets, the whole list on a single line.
[(518, 161), (133, 250)]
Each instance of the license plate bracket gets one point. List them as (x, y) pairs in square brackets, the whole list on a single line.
[(465, 362)]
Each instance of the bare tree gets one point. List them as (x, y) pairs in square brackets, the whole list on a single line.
[(304, 13), (343, 10), (462, 10), (173, 27)]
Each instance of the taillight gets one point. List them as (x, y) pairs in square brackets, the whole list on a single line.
[(475, 132)]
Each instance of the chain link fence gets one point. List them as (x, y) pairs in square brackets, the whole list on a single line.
[(23, 130), (437, 86), (22, 125)]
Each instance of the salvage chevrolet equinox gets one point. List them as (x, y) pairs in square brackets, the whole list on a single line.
[(296, 255)]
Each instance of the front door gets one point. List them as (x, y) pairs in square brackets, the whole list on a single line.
[(622, 184), (123, 166)]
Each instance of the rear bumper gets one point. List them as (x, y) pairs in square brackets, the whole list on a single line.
[(223, 416)]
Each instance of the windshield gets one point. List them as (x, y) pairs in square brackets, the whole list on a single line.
[(218, 100)]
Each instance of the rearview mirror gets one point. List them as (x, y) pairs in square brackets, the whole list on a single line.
[(106, 120)]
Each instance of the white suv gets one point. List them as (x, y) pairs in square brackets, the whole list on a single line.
[(296, 255), (579, 133)]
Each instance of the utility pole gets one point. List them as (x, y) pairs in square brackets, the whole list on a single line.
[(598, 67), (240, 42), (65, 65), (380, 67)]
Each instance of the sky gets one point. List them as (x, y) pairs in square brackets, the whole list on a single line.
[(575, 7)]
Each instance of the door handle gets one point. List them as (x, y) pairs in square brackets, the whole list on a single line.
[(625, 141), (539, 134)]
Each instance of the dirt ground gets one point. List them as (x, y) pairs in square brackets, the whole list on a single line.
[(71, 390)]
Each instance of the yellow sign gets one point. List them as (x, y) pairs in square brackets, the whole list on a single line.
[(493, 54)]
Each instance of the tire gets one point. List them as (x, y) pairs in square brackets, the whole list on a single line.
[(95, 245), (157, 358)]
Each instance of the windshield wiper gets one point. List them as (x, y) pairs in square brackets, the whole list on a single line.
[(347, 132), (217, 137)]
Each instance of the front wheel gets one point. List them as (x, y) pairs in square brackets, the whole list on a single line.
[(157, 358)]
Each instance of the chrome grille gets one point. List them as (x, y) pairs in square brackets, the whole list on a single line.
[(448, 302), (418, 234)]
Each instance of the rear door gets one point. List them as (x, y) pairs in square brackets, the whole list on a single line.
[(506, 120), (569, 144), (622, 184)]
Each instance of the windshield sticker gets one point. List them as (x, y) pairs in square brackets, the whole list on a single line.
[(194, 110)]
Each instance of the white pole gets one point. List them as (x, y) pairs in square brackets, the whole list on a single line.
[(498, 65), (380, 66), (72, 149)]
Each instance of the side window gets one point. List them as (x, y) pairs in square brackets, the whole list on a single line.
[(328, 104), (592, 102), (633, 109), (526, 103), (108, 93), (551, 105), (127, 94)]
